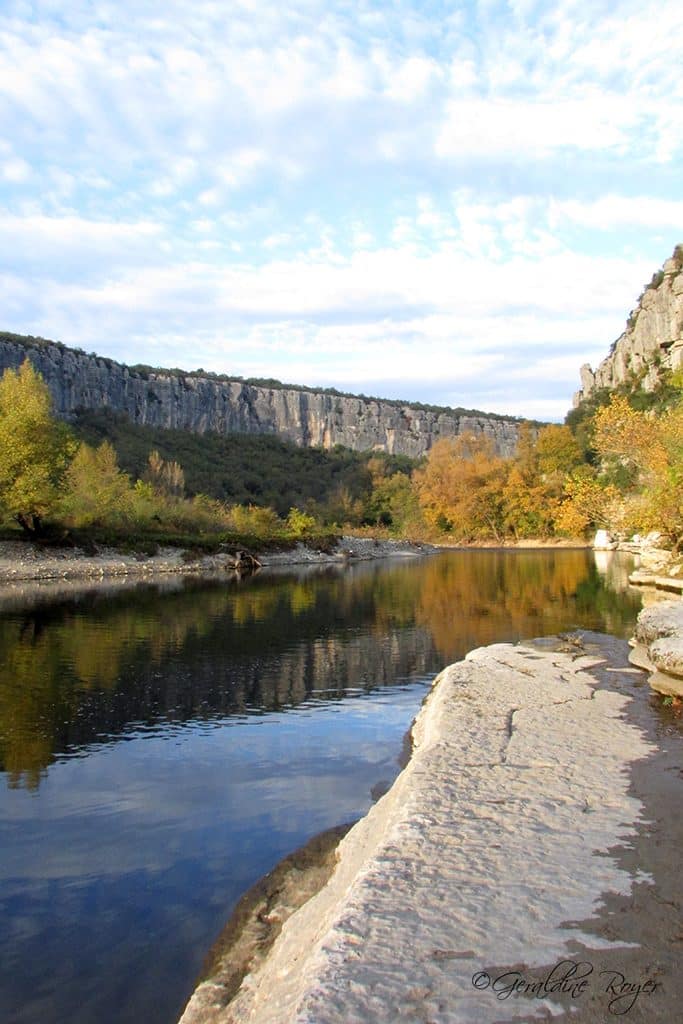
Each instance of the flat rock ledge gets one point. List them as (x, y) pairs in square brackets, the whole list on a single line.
[(657, 567), (643, 578), (658, 646), (509, 843)]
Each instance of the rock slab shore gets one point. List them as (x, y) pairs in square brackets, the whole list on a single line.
[(658, 646), (522, 866)]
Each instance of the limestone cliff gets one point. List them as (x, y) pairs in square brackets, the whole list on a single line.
[(652, 341), (184, 401)]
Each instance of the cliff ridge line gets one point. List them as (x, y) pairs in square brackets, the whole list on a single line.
[(206, 403)]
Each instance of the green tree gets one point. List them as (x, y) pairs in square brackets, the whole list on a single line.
[(35, 449), (394, 503)]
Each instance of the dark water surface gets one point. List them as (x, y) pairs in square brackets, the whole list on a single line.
[(162, 747)]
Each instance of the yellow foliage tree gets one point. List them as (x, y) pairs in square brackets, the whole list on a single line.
[(252, 519), (35, 449), (301, 523), (557, 451), (530, 509), (652, 446), (536, 479), (630, 436), (586, 503)]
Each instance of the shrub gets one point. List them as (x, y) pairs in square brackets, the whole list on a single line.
[(300, 523), (250, 519)]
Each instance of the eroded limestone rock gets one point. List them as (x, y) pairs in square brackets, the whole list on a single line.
[(200, 404), (658, 646), (652, 341)]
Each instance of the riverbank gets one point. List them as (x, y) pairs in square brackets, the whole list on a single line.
[(23, 561), (523, 543), (532, 827)]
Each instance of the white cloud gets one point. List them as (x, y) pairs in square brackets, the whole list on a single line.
[(303, 185), (613, 211), (70, 244), (15, 170), (535, 128), (411, 79), (323, 322)]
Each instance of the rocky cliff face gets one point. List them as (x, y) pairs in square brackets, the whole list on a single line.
[(200, 404), (652, 341)]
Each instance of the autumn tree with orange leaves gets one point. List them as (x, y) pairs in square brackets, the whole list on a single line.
[(461, 488)]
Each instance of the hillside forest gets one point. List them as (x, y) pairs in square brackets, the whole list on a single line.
[(616, 463)]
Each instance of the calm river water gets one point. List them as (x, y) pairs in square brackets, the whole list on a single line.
[(162, 747)]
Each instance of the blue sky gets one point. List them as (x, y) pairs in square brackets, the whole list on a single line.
[(450, 202)]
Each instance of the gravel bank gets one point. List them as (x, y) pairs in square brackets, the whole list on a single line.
[(523, 865), (21, 561)]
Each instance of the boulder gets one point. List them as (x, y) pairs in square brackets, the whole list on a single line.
[(604, 541), (658, 646)]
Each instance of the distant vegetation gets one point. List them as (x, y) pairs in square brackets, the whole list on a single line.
[(105, 479), (54, 486), (242, 468), (616, 463)]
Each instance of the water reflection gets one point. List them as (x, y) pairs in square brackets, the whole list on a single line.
[(101, 662), (164, 746), (474, 598)]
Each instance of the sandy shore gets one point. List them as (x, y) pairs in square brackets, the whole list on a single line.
[(525, 864)]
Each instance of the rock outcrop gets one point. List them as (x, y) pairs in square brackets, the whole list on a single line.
[(657, 646), (177, 400), (652, 341)]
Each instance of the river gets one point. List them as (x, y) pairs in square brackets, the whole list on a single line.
[(162, 746)]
